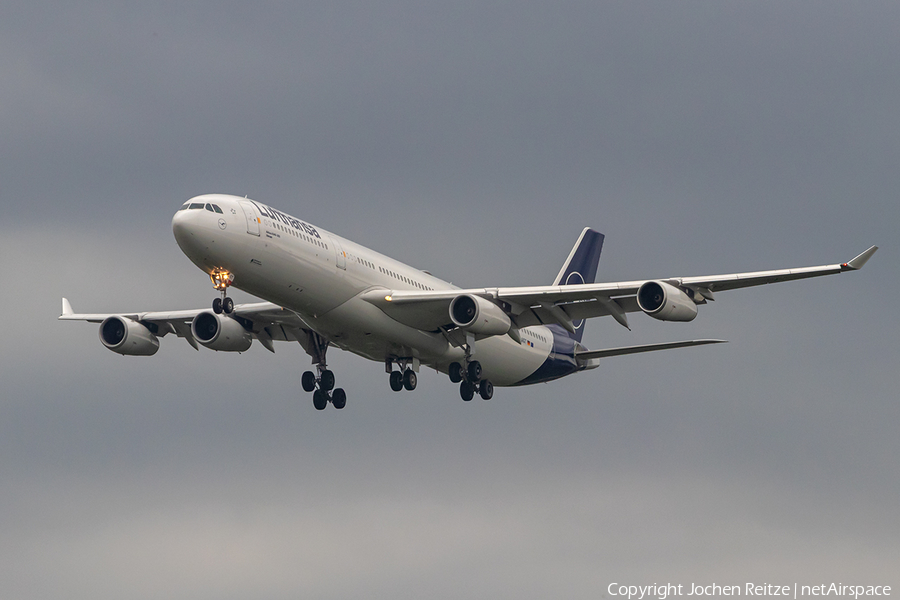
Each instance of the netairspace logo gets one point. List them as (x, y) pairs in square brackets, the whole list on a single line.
[(663, 591)]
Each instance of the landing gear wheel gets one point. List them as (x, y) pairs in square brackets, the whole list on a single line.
[(217, 306), (466, 391), (410, 380), (486, 389), (396, 381), (456, 372), (474, 371), (320, 399), (326, 380), (339, 398), (308, 381), (228, 306)]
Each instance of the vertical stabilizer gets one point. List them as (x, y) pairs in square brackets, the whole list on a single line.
[(581, 267)]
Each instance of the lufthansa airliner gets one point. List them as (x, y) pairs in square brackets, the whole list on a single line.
[(322, 290)]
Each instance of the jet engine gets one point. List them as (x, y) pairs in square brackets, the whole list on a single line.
[(219, 332), (666, 302), (127, 337), (480, 316)]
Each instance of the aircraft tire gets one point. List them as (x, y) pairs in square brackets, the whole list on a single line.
[(320, 399), (486, 389), (308, 381), (339, 398), (456, 372), (396, 381), (466, 391), (326, 380), (410, 379), (474, 371), (217, 306), (228, 306)]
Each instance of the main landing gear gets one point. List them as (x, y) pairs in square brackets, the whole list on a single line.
[(470, 381), (221, 279), (323, 388), (405, 378), (322, 385)]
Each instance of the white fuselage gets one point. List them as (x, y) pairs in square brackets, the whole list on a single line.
[(321, 276)]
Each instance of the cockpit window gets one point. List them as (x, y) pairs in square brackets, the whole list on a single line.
[(209, 207), (217, 209), (195, 205), (184, 206)]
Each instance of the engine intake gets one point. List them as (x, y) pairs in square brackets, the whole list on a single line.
[(480, 316), (219, 332), (666, 302), (127, 337)]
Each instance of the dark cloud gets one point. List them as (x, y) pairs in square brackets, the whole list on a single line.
[(474, 140)]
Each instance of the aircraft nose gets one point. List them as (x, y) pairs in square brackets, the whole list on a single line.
[(186, 225), (180, 223)]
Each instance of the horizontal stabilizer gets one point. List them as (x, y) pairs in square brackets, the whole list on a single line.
[(589, 354)]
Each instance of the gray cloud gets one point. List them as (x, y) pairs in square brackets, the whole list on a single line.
[(474, 140)]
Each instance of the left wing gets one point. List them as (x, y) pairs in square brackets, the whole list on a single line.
[(565, 304)]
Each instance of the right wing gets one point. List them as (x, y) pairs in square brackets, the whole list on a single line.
[(268, 322)]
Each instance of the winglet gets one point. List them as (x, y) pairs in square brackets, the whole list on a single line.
[(67, 308), (858, 262)]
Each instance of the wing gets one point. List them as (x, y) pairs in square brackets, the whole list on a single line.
[(267, 322), (565, 304)]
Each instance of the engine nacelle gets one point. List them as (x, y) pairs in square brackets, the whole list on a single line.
[(219, 332), (480, 316), (666, 302), (124, 336)]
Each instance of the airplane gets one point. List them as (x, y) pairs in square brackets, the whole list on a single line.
[(322, 290)]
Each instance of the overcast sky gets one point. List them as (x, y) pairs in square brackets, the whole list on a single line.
[(473, 139)]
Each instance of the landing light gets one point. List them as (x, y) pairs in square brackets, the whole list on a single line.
[(221, 279), (388, 298)]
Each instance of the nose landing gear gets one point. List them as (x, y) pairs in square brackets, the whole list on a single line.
[(221, 279)]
